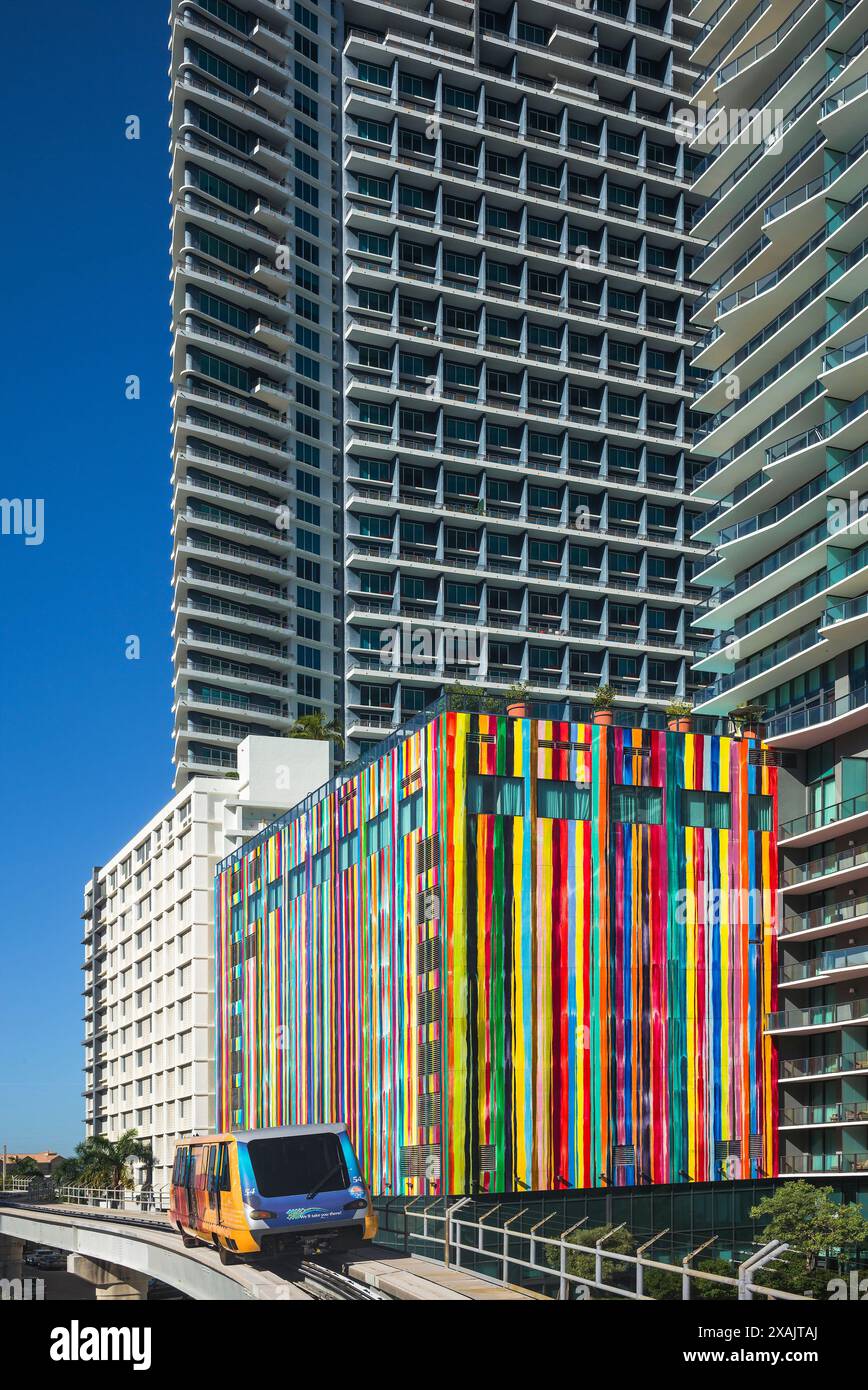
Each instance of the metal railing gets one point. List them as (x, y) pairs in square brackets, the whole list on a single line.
[(507, 1254), (137, 1199)]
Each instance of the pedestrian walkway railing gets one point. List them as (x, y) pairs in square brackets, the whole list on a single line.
[(129, 1199), (497, 1248)]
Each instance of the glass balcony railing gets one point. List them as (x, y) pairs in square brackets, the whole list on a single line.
[(826, 815), (841, 610), (848, 958), (818, 710), (838, 1113), (749, 292), (772, 515), (824, 1163), (850, 1011), (763, 661), (831, 915), (759, 50), (815, 186), (828, 1064), (838, 357), (819, 432)]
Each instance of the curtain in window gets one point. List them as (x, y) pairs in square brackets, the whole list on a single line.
[(759, 812), (706, 810), (495, 796), (562, 801), (638, 805)]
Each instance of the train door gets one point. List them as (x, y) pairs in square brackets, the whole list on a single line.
[(190, 1187), (211, 1194), (219, 1187)]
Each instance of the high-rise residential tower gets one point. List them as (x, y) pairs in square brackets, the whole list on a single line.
[(517, 345), (256, 373), (785, 450), (431, 269)]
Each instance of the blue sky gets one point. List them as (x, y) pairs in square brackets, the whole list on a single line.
[(86, 749)]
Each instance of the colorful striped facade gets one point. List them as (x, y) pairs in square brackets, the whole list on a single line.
[(495, 998)]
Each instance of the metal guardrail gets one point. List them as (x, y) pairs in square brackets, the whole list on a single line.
[(511, 1253), (142, 1199)]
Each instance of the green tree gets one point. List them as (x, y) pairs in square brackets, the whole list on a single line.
[(105, 1162), (811, 1222), (67, 1173), (24, 1167), (316, 726), (617, 1242)]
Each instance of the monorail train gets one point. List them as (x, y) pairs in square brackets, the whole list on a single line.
[(264, 1191)]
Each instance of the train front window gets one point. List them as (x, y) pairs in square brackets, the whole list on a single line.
[(291, 1165)]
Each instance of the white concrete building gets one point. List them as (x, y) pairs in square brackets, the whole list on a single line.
[(149, 947)]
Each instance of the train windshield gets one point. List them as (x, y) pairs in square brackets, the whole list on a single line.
[(289, 1165)]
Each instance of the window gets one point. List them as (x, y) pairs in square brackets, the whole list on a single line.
[(637, 805), (495, 796), (379, 833), (348, 851), (321, 867), (562, 801), (760, 812), (376, 76), (706, 810), (410, 812)]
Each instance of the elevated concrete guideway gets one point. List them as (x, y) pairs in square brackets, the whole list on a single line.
[(119, 1253), (143, 1249)]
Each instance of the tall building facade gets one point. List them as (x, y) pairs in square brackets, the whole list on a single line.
[(517, 306), (432, 344), (256, 373), (149, 949), (513, 954), (784, 448)]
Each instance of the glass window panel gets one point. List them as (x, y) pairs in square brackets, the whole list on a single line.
[(562, 801), (637, 805)]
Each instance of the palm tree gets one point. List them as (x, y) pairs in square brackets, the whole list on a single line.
[(104, 1161), (316, 726)]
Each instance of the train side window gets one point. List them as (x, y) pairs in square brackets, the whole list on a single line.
[(211, 1152), (224, 1182)]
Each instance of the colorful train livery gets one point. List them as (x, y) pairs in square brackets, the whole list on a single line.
[(297, 1188)]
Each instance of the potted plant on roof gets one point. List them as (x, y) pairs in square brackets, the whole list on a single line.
[(516, 701), (678, 714), (746, 719), (602, 702)]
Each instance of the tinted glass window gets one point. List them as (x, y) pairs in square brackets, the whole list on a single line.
[(297, 1164)]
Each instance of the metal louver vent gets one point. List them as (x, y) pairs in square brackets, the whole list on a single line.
[(756, 1146), (430, 1110), (727, 1148), (420, 1161), (487, 1158), (428, 955), (428, 905), (427, 854), (429, 1007), (624, 1154), (428, 1057)]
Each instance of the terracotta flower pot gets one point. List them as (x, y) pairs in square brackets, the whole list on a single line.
[(679, 725), (517, 710), (603, 716)]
